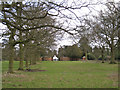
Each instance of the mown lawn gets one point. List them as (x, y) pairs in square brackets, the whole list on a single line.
[(62, 74)]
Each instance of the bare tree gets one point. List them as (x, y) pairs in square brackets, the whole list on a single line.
[(106, 27)]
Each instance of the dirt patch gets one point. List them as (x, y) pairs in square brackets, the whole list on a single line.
[(13, 75), (34, 70), (114, 78)]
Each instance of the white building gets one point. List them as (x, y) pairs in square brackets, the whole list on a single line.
[(55, 58)]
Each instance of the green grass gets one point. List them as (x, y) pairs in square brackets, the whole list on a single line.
[(63, 74)]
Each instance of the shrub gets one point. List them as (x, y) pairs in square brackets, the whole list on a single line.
[(100, 57), (117, 55), (105, 57), (91, 56)]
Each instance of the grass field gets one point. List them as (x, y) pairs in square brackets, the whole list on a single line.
[(62, 74)]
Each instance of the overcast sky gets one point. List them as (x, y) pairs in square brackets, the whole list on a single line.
[(66, 40), (83, 11)]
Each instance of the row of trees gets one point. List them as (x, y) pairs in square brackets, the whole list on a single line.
[(26, 37), (32, 28), (70, 51), (77, 51), (102, 29), (106, 27)]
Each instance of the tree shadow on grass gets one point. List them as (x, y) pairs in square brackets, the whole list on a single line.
[(34, 70)]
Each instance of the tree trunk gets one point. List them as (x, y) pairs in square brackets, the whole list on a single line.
[(21, 38), (21, 58), (11, 53), (11, 47), (27, 56), (112, 55), (30, 61), (27, 65), (21, 53), (11, 59), (34, 56), (86, 55), (102, 52), (34, 59)]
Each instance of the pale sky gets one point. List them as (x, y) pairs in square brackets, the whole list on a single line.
[(66, 40), (81, 12)]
